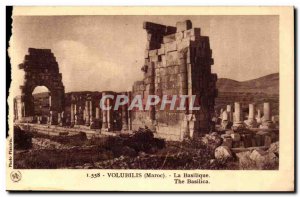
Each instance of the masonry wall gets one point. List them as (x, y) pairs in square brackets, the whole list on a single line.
[(177, 62)]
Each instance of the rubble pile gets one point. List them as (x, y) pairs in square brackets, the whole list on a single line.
[(141, 140), (185, 159), (43, 143), (259, 158)]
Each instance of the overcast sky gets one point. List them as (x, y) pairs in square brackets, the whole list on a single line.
[(106, 52)]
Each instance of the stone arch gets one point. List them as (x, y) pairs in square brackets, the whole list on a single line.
[(41, 69)]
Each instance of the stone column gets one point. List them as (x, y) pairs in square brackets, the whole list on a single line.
[(224, 123), (267, 112), (97, 113), (237, 112), (229, 111), (267, 123), (76, 114), (59, 118), (109, 114), (91, 111), (129, 112), (251, 122), (251, 112), (221, 112), (124, 116), (72, 114), (53, 117), (87, 114), (273, 119), (258, 118), (104, 114), (238, 118), (225, 115)]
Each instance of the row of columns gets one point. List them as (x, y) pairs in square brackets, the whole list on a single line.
[(237, 117), (93, 116)]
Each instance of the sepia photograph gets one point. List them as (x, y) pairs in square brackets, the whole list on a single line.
[(147, 92)]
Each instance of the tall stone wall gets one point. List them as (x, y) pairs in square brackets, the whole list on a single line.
[(177, 62)]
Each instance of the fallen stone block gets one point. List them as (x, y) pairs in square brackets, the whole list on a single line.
[(245, 162), (264, 159), (274, 148), (223, 153)]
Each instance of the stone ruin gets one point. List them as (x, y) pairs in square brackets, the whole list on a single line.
[(41, 69), (177, 62), (255, 131)]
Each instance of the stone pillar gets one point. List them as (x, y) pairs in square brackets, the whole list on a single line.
[(125, 115), (267, 123), (221, 113), (273, 119), (76, 112), (23, 109), (109, 114), (229, 111), (224, 123), (258, 118), (59, 118), (53, 117), (237, 112), (91, 111), (97, 113), (87, 114), (267, 112), (251, 112), (72, 114), (50, 104), (104, 114), (129, 112), (224, 116), (251, 122), (238, 118)]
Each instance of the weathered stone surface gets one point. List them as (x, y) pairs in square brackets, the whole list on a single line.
[(212, 141), (41, 69), (171, 46), (152, 53), (195, 32), (179, 35), (264, 159), (183, 25), (274, 148), (245, 162), (169, 38), (223, 153), (176, 72)]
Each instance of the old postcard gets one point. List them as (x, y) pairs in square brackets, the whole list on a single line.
[(151, 99)]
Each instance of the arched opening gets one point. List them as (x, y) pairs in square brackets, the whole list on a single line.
[(41, 101)]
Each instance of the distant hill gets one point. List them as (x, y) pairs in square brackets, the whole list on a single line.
[(268, 84)]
